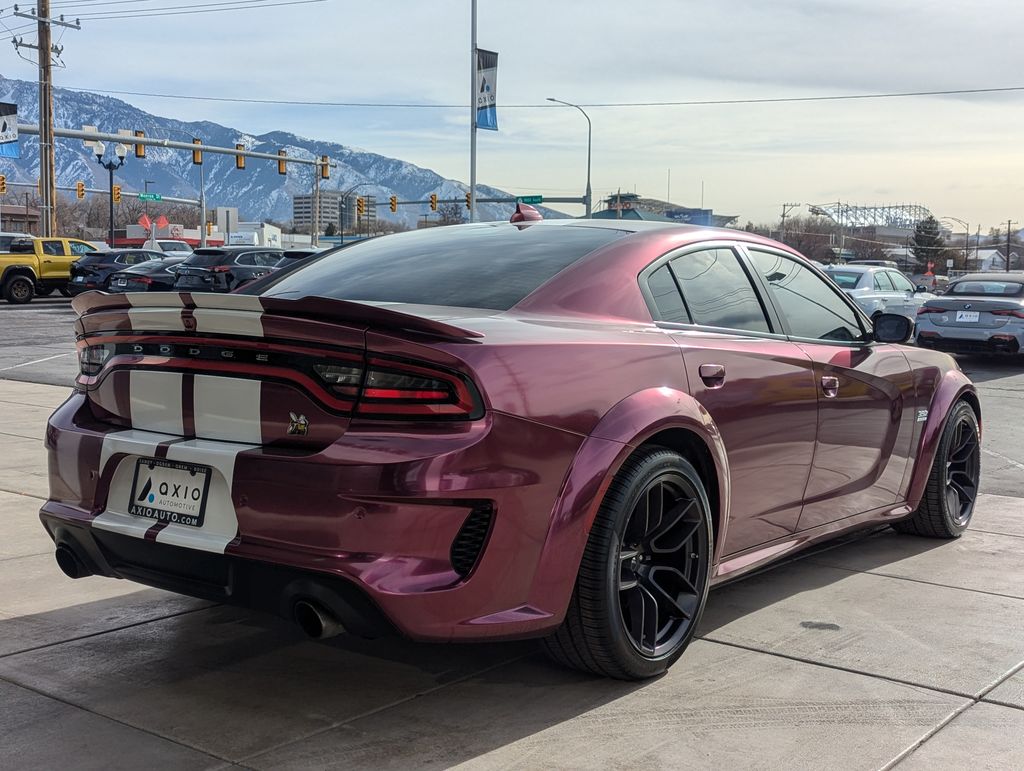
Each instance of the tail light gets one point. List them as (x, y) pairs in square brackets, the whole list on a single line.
[(92, 358), (925, 309), (1015, 313), (220, 269)]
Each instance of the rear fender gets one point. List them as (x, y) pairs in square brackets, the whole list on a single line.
[(619, 433), (953, 387)]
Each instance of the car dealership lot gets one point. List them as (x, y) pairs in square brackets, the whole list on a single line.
[(887, 647)]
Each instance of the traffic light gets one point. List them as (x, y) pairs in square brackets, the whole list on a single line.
[(239, 159), (433, 202), (3, 184), (282, 167), (209, 228), (140, 149), (115, 193), (469, 199), (325, 167), (79, 190), (197, 155), (394, 203), (360, 206)]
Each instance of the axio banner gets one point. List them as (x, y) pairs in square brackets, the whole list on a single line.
[(9, 130), (486, 89)]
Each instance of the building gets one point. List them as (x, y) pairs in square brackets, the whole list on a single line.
[(334, 208), (632, 206)]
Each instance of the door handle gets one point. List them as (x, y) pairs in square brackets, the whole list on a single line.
[(47, 261), (830, 386), (713, 375)]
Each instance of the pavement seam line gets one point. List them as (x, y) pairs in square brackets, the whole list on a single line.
[(384, 707), (994, 532), (837, 667), (26, 495), (100, 715), (102, 632)]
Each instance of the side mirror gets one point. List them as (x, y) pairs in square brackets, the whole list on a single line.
[(893, 328), (920, 288)]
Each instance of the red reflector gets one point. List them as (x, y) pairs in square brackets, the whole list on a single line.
[(395, 393), (221, 268)]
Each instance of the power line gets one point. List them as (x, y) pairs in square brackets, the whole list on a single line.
[(180, 10), (416, 105)]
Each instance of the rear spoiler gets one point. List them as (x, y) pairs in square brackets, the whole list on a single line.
[(316, 308)]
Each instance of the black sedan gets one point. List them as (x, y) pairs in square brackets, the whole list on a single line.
[(150, 276), (93, 271), (221, 269)]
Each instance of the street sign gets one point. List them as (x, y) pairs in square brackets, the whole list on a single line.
[(150, 197), (529, 199)]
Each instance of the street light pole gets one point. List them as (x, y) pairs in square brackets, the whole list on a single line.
[(344, 204), (120, 152), (589, 200)]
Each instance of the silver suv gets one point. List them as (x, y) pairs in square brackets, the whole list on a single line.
[(879, 289)]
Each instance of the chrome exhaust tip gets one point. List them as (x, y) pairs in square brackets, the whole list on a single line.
[(315, 620)]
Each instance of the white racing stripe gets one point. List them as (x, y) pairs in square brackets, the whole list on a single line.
[(135, 443), (154, 300), (155, 401), (155, 319), (228, 322), (228, 408)]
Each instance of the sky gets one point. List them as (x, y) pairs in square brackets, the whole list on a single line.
[(958, 155)]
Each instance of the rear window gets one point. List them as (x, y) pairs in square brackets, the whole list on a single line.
[(997, 288), (97, 258), (472, 266), (847, 279), (207, 259)]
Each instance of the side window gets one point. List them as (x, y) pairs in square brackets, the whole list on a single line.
[(246, 259), (267, 259), (667, 299), (53, 247), (882, 282), (813, 309), (131, 259), (77, 248), (718, 291), (901, 282)]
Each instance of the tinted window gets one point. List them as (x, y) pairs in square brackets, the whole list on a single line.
[(667, 300), (53, 247), (209, 258), (473, 266), (901, 282), (133, 258), (77, 248), (1004, 288), (246, 259), (847, 279), (811, 305), (718, 292), (882, 282), (267, 259)]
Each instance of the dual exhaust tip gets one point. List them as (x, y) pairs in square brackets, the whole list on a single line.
[(312, 618)]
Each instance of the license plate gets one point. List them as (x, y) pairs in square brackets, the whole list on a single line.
[(967, 315), (78, 279), (168, 491), (122, 282)]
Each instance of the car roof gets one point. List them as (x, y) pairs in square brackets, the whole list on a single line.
[(1015, 276), (234, 249), (858, 268)]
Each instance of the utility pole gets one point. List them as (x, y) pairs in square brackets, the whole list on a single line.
[(1009, 224), (473, 56), (786, 209), (45, 48)]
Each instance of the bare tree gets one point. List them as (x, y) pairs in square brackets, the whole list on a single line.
[(450, 214)]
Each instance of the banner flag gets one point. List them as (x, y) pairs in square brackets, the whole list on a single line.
[(144, 222), (9, 130), (486, 89)]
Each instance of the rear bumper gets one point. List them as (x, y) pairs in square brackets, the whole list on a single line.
[(970, 341), (384, 530)]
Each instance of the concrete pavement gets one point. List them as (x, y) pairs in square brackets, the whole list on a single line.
[(883, 650)]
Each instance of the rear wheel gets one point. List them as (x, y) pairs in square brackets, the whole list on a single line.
[(18, 290), (644, 577), (948, 502)]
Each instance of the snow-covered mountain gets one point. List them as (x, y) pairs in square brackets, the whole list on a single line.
[(259, 191)]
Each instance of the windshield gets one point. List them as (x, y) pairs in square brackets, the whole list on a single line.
[(847, 279), (471, 266), (997, 288)]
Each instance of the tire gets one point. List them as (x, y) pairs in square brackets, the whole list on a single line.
[(65, 292), (649, 552), (19, 290), (948, 503)]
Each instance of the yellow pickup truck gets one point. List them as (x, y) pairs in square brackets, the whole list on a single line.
[(38, 266)]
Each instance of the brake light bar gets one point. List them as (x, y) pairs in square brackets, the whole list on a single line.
[(1016, 313), (925, 309)]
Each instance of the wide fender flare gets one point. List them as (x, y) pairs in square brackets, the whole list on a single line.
[(625, 427), (953, 387)]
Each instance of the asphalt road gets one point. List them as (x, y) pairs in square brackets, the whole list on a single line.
[(37, 346)]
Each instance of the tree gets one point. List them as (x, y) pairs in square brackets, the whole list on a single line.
[(450, 213), (928, 246), (811, 236), (331, 229)]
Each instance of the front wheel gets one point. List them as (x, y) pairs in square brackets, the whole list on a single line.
[(644, 576), (948, 502)]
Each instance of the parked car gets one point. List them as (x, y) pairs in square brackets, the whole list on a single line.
[(93, 271), (170, 247), (877, 289), (979, 313), (224, 268), (565, 429), (151, 276), (292, 257), (38, 266), (6, 239)]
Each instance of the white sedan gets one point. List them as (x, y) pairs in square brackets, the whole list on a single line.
[(879, 290)]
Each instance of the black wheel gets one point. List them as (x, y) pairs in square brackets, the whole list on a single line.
[(18, 290), (65, 291), (948, 502), (44, 291), (644, 577)]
